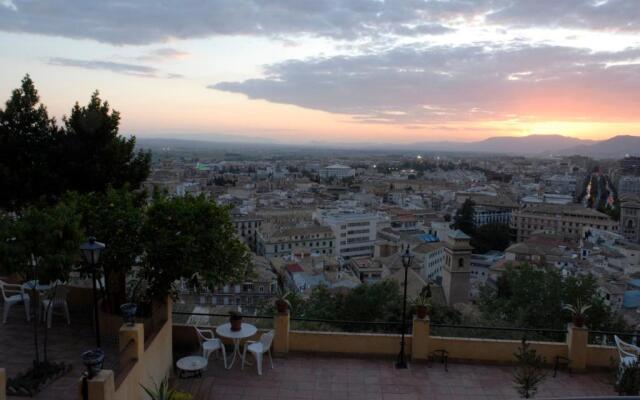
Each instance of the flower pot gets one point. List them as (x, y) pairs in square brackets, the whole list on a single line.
[(282, 306), (578, 321), (422, 312), (93, 360), (128, 311), (236, 322)]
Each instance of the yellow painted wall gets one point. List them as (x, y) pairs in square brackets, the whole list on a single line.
[(155, 364), (346, 343), (493, 350), (601, 356)]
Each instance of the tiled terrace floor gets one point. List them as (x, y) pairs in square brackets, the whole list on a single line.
[(66, 343), (331, 378)]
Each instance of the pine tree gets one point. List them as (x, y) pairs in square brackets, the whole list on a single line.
[(28, 142), (529, 371), (96, 155)]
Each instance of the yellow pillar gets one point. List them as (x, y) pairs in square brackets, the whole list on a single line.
[(281, 338), (420, 339), (100, 387), (133, 334), (3, 384), (577, 340)]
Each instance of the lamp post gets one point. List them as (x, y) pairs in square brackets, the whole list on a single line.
[(91, 251), (407, 258)]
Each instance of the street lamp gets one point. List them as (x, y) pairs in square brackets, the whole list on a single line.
[(407, 258), (91, 251)]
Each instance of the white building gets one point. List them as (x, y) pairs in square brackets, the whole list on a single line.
[(355, 231), (338, 171), (432, 256)]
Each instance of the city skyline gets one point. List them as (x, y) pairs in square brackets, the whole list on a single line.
[(335, 71)]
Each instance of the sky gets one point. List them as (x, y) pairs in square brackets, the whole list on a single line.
[(347, 71)]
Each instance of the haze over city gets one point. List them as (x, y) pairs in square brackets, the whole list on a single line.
[(335, 71)]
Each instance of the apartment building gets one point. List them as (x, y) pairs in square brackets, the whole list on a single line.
[(281, 240), (630, 220), (355, 231), (337, 171), (564, 220), (432, 256), (247, 228)]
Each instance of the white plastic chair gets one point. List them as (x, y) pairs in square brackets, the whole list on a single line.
[(14, 294), (628, 355), (56, 298), (258, 349), (210, 344)]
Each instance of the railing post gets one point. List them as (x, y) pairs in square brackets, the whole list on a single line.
[(281, 340), (420, 338), (127, 334), (577, 340), (3, 384), (100, 387)]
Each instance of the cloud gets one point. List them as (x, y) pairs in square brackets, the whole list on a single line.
[(150, 21), (475, 82), (116, 67), (612, 15), (163, 54)]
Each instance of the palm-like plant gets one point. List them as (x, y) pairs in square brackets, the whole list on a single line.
[(282, 302), (578, 312), (161, 391)]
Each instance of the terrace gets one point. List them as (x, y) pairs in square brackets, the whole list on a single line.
[(312, 364)]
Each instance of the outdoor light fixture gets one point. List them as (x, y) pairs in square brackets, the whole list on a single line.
[(91, 251), (407, 259)]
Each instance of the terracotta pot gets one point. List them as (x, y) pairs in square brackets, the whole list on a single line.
[(236, 323), (422, 312), (282, 306)]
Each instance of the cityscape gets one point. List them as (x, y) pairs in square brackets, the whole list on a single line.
[(371, 199)]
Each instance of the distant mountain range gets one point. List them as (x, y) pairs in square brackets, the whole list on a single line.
[(615, 147)]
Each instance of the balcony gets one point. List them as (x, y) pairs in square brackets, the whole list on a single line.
[(347, 365), (331, 364)]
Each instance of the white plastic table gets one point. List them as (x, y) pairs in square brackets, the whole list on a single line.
[(192, 365), (246, 331)]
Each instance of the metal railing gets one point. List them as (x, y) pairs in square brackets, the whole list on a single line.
[(333, 325), (499, 332), (392, 327), (606, 338)]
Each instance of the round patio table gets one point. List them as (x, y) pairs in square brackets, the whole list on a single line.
[(245, 332), (191, 366), (40, 288)]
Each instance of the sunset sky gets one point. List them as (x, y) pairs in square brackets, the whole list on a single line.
[(330, 70)]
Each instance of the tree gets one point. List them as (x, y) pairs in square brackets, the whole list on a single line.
[(41, 244), (463, 219), (115, 217), (490, 237), (529, 371), (532, 297), (188, 237), (28, 143), (96, 156)]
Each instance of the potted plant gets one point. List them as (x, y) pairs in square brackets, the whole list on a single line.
[(423, 305), (128, 310), (164, 392), (578, 312), (235, 318), (93, 360), (282, 303)]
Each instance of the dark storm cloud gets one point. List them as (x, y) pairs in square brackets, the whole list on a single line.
[(410, 85)]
